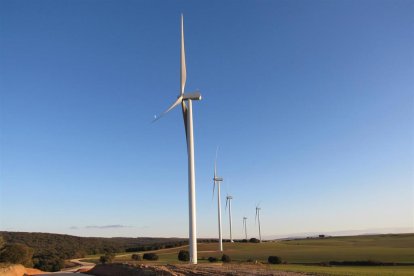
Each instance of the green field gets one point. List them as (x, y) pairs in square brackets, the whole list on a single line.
[(383, 248)]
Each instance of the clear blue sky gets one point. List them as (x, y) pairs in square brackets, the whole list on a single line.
[(311, 103)]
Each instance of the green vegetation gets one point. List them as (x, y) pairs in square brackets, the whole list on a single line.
[(50, 250), (183, 256), (212, 259), (225, 258), (313, 256), (107, 258), (382, 248), (17, 253), (274, 260), (347, 270), (150, 257), (136, 257)]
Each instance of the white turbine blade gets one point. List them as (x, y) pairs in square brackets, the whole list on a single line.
[(255, 218), (183, 66), (184, 109), (215, 164), (227, 199), (177, 102)]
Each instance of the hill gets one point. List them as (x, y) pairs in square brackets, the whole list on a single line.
[(72, 246), (50, 250)]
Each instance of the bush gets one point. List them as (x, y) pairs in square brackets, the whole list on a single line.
[(212, 259), (274, 260), (225, 258), (136, 257), (150, 256), (48, 262), (17, 253), (107, 258), (184, 256), (254, 240)]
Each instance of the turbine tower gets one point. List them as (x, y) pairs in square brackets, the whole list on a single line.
[(257, 218), (245, 226), (229, 199), (217, 181), (188, 124)]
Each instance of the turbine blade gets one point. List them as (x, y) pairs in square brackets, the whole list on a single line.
[(184, 108), (183, 66), (177, 102), (215, 163), (227, 199), (255, 218)]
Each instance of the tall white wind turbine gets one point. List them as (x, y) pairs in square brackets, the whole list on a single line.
[(217, 181), (188, 124), (245, 226), (228, 200), (257, 218)]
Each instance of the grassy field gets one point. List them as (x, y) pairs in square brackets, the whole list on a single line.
[(383, 248), (348, 270)]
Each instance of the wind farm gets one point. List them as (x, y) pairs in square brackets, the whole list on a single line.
[(310, 104)]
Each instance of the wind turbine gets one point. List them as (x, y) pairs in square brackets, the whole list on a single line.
[(229, 199), (188, 124), (257, 218), (245, 226), (217, 181)]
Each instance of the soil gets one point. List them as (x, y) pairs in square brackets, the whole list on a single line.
[(186, 269)]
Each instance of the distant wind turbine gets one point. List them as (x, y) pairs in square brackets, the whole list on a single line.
[(188, 124), (245, 226), (257, 218), (217, 181), (229, 199)]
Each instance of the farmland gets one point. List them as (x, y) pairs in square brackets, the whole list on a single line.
[(305, 255)]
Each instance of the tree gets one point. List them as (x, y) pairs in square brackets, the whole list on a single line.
[(274, 260), (136, 257), (254, 240), (17, 253), (107, 258), (1, 242), (150, 256), (48, 262), (225, 258), (184, 256)]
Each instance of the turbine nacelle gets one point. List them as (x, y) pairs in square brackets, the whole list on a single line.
[(195, 96)]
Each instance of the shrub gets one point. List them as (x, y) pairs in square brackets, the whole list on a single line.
[(48, 262), (136, 257), (150, 256), (107, 258), (274, 260), (212, 259), (17, 253), (225, 258), (254, 240), (184, 256)]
